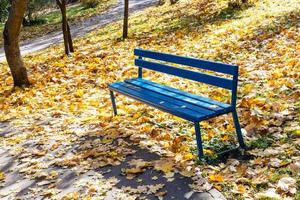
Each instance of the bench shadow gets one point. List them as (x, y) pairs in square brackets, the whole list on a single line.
[(175, 188)]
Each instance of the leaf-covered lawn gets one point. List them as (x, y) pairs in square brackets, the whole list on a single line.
[(71, 93)]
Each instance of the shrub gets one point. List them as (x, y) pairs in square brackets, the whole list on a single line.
[(237, 3), (90, 3), (3, 10)]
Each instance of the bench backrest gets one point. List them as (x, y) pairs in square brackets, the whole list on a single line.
[(230, 84)]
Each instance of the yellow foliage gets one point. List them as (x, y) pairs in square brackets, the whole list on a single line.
[(165, 166), (216, 178), (2, 176)]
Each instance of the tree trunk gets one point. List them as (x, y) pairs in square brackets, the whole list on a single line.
[(65, 33), (125, 23), (11, 42), (65, 27), (70, 39), (173, 2)]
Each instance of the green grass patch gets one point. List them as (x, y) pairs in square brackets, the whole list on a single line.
[(72, 13), (76, 12), (260, 143)]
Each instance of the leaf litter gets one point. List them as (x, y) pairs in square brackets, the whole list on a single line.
[(68, 103)]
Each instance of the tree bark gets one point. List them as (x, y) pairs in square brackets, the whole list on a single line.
[(125, 23), (65, 27), (11, 42), (173, 2), (70, 39)]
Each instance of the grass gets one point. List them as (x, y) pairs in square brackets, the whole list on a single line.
[(51, 20), (261, 142), (77, 11)]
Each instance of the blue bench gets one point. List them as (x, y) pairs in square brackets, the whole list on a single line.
[(188, 106)]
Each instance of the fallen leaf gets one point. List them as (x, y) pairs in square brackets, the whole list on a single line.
[(216, 178)]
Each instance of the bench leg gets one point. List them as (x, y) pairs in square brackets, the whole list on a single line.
[(113, 102), (238, 129), (199, 140)]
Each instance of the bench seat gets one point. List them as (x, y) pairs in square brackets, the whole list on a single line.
[(182, 104)]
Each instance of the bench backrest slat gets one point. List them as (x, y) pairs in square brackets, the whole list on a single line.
[(192, 75), (193, 62)]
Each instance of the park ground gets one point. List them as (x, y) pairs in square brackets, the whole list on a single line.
[(64, 120)]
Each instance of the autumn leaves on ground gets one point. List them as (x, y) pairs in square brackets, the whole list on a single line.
[(68, 103)]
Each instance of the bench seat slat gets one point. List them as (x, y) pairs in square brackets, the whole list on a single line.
[(179, 102), (194, 62), (174, 96), (174, 106), (192, 98), (196, 76), (140, 95), (202, 104)]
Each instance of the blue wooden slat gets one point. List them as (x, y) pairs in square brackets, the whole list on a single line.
[(175, 101), (196, 76), (122, 88), (202, 104), (193, 62), (183, 93)]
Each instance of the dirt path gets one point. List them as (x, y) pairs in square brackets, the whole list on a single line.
[(81, 28)]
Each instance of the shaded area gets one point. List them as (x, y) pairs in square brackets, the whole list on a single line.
[(18, 184)]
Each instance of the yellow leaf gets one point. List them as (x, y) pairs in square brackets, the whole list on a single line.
[(218, 187), (296, 133), (2, 176), (164, 165), (188, 156), (241, 188), (134, 170), (208, 152), (225, 138), (79, 93), (113, 153), (216, 178), (248, 88), (211, 133)]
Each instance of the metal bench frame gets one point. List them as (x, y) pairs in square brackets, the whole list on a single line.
[(229, 84)]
